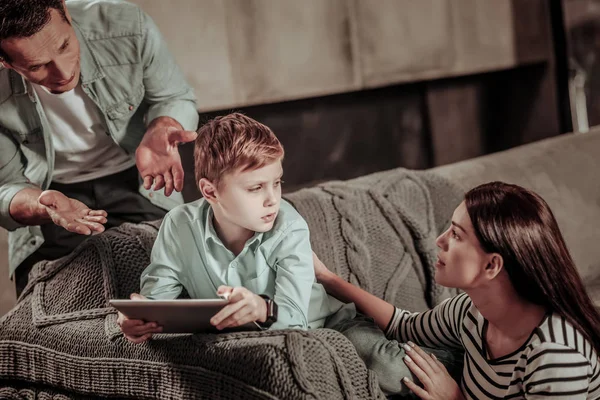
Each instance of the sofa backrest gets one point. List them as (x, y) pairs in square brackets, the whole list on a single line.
[(564, 171), (378, 231)]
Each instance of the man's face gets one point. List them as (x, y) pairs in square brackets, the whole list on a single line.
[(248, 201), (49, 58)]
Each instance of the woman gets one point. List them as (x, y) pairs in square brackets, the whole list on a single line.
[(527, 326)]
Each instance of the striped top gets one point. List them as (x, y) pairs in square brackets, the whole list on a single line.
[(555, 362)]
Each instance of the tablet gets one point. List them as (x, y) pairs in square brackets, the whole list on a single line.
[(178, 316)]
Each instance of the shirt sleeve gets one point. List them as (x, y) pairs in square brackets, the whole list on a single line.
[(167, 91), (555, 371), (12, 179), (438, 327), (163, 278), (294, 278)]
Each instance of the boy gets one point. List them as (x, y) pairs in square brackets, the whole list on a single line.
[(240, 240)]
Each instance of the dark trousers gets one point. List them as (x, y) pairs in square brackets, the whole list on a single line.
[(116, 194)]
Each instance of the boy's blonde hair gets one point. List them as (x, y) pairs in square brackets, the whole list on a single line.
[(233, 142)]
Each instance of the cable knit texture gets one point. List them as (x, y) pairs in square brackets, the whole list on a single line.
[(61, 341)]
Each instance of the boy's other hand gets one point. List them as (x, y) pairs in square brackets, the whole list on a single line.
[(244, 307), (136, 330)]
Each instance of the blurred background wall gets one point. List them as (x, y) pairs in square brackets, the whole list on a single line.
[(582, 25), (356, 86)]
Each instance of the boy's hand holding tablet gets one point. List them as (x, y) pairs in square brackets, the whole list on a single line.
[(244, 307), (137, 330)]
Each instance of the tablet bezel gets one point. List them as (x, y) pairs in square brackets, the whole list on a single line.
[(175, 316)]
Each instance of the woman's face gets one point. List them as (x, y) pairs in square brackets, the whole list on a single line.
[(461, 259)]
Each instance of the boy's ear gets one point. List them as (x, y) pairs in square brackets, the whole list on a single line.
[(208, 190), (494, 266)]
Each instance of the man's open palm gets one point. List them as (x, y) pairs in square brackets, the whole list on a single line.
[(72, 214)]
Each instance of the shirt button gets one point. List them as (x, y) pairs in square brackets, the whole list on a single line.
[(130, 108), (150, 194), (233, 264), (33, 242)]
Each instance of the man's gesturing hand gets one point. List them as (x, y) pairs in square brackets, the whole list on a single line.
[(157, 157), (72, 214)]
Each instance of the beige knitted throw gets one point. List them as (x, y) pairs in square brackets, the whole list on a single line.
[(61, 340)]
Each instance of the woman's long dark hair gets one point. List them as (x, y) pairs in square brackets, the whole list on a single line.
[(519, 225)]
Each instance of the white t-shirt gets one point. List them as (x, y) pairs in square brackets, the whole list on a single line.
[(83, 149)]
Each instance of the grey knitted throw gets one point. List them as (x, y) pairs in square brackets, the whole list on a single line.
[(61, 341), (379, 231)]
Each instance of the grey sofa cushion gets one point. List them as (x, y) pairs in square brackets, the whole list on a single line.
[(379, 231)]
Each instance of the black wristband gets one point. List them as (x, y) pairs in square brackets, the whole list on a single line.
[(271, 312)]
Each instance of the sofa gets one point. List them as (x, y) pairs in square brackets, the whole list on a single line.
[(61, 340)]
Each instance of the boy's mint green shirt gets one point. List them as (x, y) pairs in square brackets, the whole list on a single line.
[(127, 71), (189, 254)]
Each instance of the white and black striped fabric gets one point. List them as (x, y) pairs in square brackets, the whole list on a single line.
[(556, 362)]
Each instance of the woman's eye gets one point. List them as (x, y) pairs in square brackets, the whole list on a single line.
[(254, 189), (278, 183), (454, 235)]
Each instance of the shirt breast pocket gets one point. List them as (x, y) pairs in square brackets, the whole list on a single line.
[(26, 139), (120, 113), (30, 143)]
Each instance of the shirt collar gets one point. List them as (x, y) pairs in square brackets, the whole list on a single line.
[(210, 234), (18, 83)]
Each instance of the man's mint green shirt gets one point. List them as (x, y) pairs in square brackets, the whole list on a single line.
[(126, 70), (189, 254)]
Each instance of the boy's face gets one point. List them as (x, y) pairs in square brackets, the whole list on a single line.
[(248, 201)]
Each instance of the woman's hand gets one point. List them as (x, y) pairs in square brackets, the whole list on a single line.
[(244, 307), (321, 270), (136, 330), (437, 382)]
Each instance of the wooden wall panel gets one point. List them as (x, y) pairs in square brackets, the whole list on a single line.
[(401, 39), (483, 33), (532, 31), (246, 52), (455, 121), (283, 50), (196, 33)]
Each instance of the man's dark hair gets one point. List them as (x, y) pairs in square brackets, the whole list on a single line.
[(24, 18)]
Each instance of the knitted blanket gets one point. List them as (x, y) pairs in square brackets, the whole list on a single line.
[(61, 340), (379, 232)]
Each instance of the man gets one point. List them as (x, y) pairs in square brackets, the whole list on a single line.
[(88, 91)]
